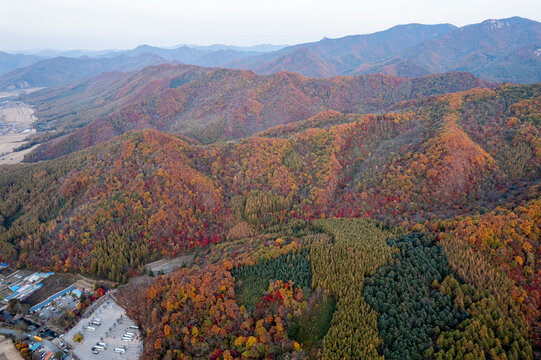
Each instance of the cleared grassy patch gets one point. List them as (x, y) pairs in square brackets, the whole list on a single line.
[(311, 326)]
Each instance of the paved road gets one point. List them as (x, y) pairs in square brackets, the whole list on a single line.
[(96, 304), (16, 333), (10, 332)]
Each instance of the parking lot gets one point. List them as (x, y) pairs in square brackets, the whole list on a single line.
[(114, 324), (54, 310)]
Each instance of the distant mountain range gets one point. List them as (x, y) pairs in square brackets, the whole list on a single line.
[(499, 50), (50, 68), (10, 62), (63, 70), (343, 56), (51, 53), (496, 50)]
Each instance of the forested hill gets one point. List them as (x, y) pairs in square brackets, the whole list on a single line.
[(440, 157), (214, 104), (464, 168), (69, 107)]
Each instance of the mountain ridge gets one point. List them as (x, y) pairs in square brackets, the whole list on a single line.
[(62, 70), (444, 48), (495, 49), (219, 104), (9, 62)]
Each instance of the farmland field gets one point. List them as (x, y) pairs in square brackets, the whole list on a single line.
[(15, 126)]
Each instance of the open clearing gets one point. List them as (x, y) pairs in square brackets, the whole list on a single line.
[(8, 350), (114, 324), (10, 142), (167, 266), (163, 266), (18, 114)]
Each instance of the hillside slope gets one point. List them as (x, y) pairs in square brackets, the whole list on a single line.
[(218, 104), (439, 157), (68, 107), (464, 167)]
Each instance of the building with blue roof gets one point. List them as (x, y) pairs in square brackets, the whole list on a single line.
[(70, 289), (34, 347)]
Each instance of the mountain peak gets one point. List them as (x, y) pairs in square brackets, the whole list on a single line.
[(514, 20), (496, 23)]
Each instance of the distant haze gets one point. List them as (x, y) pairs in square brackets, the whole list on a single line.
[(122, 24)]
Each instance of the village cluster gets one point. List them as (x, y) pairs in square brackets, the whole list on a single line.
[(36, 308)]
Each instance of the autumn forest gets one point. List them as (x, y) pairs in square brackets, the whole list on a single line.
[(383, 218)]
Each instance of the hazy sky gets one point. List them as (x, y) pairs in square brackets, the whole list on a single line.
[(105, 24)]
